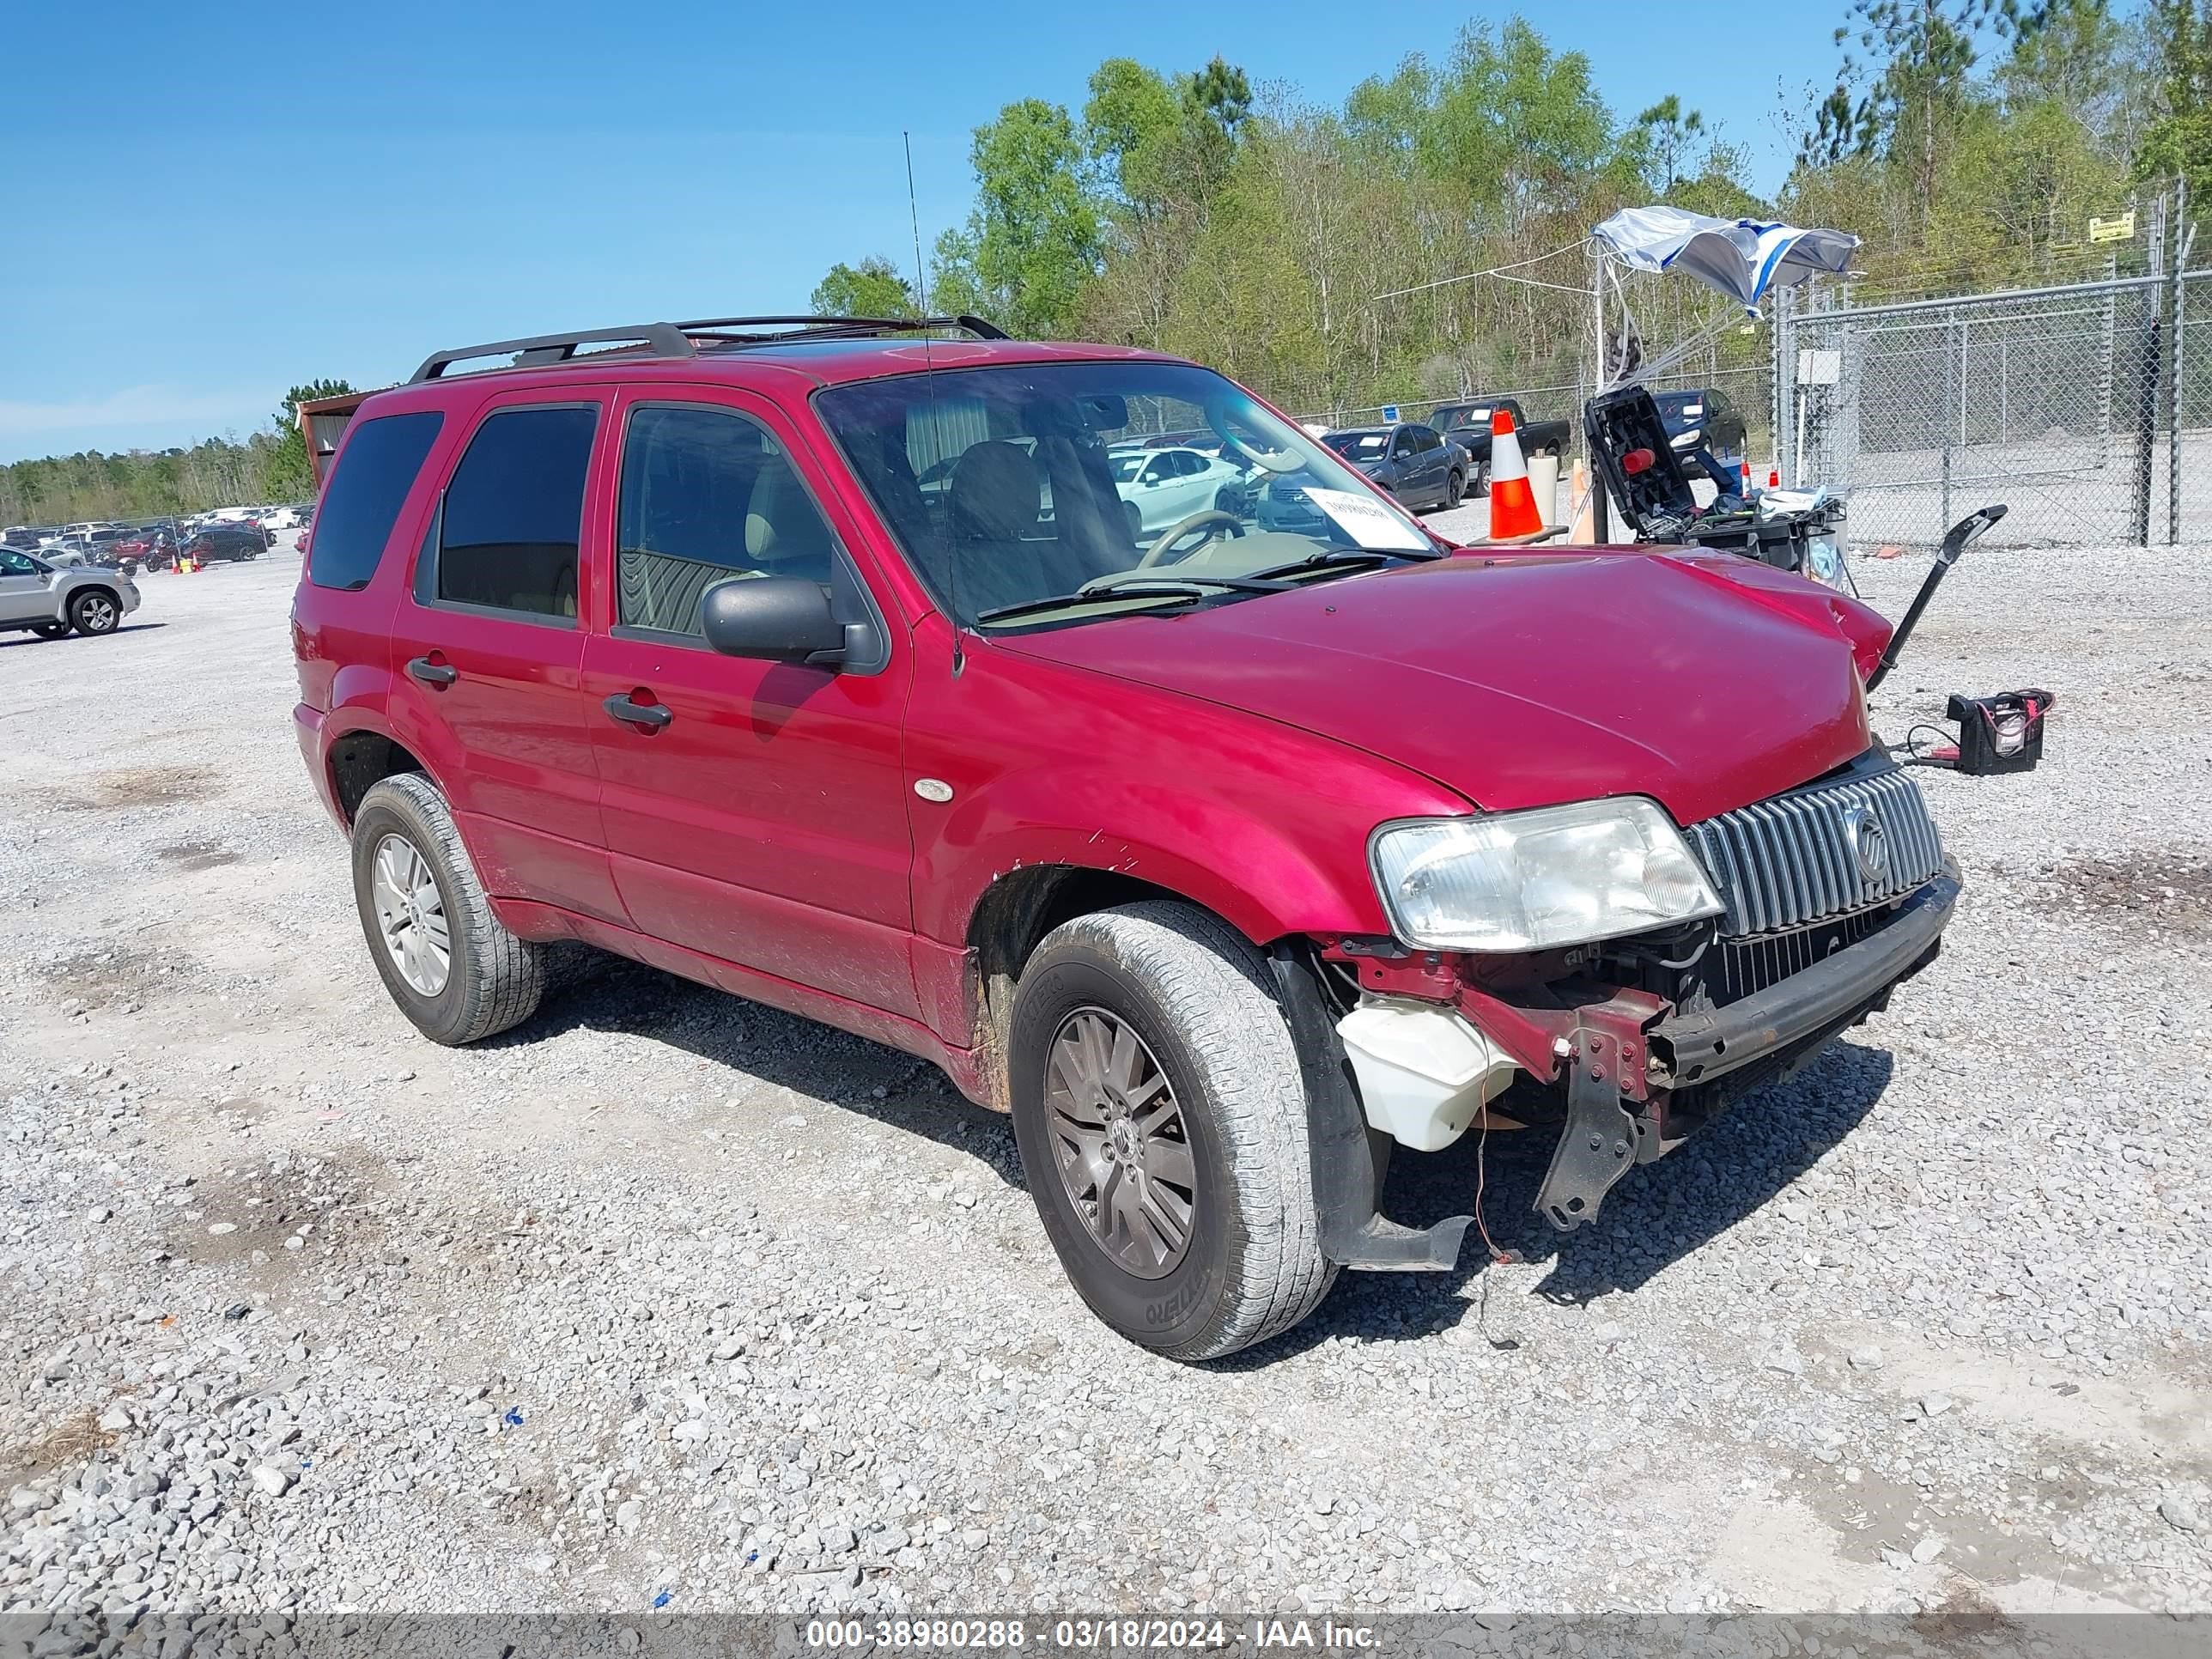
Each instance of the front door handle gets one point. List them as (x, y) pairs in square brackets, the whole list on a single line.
[(438, 674), (647, 716)]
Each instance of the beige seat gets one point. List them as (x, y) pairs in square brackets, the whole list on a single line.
[(1005, 551)]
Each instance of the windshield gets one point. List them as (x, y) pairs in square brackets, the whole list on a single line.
[(1037, 501), (1358, 446)]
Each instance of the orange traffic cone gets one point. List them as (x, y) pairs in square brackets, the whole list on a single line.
[(1774, 478), (1513, 511), (1745, 491)]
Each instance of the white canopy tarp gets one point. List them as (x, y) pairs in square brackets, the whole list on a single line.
[(1742, 258)]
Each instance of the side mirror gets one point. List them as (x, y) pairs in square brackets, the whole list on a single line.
[(777, 618)]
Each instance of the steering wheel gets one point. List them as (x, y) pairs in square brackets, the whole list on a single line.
[(1200, 520)]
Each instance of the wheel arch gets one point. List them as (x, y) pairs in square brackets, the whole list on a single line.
[(359, 759), (1015, 913)]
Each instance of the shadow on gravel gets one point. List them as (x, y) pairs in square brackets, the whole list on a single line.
[(594, 991), (11, 640), (1659, 1213)]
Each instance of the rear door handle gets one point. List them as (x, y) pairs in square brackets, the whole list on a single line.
[(648, 716), (439, 674)]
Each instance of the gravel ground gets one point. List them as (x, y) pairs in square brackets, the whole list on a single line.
[(669, 1299)]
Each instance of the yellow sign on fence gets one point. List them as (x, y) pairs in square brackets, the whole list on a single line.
[(2121, 229)]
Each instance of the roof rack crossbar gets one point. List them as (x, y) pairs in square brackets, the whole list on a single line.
[(834, 327), (658, 339)]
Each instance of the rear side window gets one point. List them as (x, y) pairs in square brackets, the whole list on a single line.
[(507, 538), (365, 496)]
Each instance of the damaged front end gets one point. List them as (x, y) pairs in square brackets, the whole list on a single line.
[(1829, 897)]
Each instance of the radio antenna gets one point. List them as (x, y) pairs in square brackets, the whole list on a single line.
[(935, 426)]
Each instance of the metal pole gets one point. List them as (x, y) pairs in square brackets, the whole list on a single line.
[(2176, 301), (1953, 373), (2147, 386), (1601, 504)]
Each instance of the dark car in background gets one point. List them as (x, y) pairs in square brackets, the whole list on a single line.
[(1419, 465), (1701, 418), (227, 542), (1467, 425)]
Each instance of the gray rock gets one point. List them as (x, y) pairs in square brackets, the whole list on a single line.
[(274, 1479)]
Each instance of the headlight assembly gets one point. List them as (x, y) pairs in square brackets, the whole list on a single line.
[(1537, 879)]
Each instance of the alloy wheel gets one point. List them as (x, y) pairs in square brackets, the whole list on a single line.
[(410, 915), (97, 614), (1121, 1143)]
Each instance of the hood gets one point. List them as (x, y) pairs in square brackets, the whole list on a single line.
[(1705, 681)]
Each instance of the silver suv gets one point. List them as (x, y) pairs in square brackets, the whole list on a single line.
[(90, 599)]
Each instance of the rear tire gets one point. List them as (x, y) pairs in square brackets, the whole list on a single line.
[(1239, 1259), (53, 630), (489, 981), (1136, 521), (1455, 486)]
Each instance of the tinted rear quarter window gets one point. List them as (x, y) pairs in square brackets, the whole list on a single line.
[(514, 510), (365, 493)]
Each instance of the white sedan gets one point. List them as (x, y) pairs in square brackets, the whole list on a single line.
[(1163, 487)]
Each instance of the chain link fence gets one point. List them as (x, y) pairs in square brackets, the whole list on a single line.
[(2085, 407), (2068, 404)]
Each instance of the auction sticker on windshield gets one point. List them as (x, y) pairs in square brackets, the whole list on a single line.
[(1367, 521)]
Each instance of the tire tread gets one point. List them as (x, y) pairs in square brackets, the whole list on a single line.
[(503, 977), (1214, 986)]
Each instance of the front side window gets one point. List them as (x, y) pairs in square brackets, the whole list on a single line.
[(707, 495), (1013, 485), (514, 513), (15, 564)]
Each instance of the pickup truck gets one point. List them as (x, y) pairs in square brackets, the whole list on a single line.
[(1467, 425)]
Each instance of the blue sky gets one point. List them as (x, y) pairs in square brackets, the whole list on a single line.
[(244, 196)]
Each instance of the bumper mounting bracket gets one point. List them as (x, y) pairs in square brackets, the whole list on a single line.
[(1600, 1141)]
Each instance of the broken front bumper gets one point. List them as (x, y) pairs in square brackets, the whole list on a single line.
[(1640, 1077)]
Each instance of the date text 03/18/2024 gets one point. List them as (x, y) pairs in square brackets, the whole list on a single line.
[(997, 1634)]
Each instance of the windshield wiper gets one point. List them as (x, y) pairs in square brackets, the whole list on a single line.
[(1346, 557), (1188, 590)]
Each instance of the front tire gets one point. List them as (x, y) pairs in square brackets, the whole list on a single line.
[(1161, 1115), (445, 957), (95, 611), (1455, 486)]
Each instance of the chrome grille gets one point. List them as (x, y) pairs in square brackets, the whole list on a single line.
[(1791, 860)]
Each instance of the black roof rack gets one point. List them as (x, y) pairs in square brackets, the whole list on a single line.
[(675, 339), (658, 339), (834, 328)]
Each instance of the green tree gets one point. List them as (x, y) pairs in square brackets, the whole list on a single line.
[(287, 471), (2178, 141), (1037, 235), (874, 288), (1669, 130), (956, 287)]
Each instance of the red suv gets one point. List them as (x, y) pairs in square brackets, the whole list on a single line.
[(1224, 856)]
